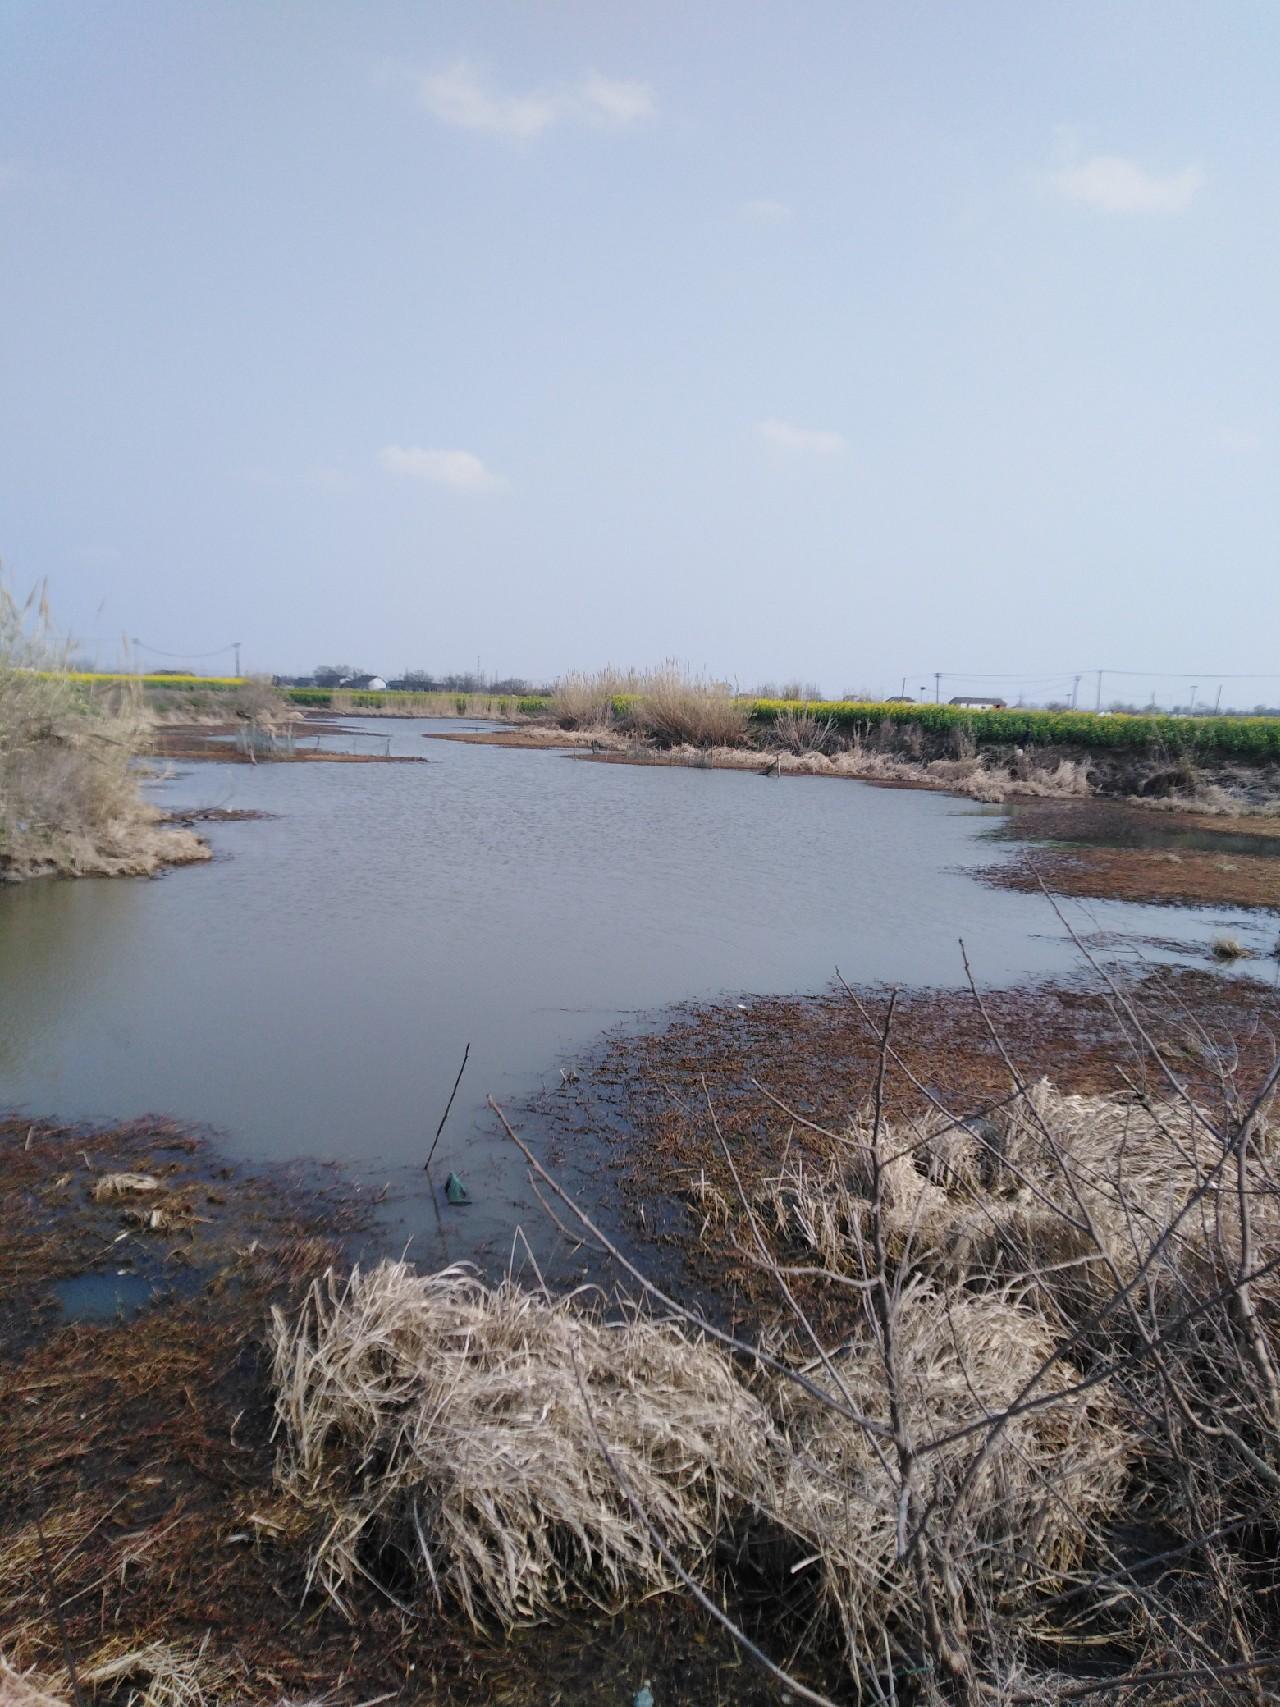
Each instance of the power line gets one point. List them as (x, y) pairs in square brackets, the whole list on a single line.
[(1200, 675), (160, 653)]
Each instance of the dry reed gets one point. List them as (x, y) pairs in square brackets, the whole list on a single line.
[(430, 1419), (69, 798), (150, 1674)]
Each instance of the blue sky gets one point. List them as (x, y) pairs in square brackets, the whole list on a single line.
[(843, 341)]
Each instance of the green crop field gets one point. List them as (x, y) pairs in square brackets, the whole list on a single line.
[(1249, 737)]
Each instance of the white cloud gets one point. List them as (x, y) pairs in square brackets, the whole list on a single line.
[(607, 101), (810, 441), (765, 211), (1117, 185), (458, 96), (459, 469)]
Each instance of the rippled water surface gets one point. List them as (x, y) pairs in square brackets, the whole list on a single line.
[(311, 990)]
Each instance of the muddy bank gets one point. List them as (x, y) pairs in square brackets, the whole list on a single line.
[(1162, 878), (143, 845), (535, 735), (137, 1274), (189, 816), (216, 741), (1100, 851), (142, 1449), (911, 757), (759, 1077)]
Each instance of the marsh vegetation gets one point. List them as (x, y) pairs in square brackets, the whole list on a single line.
[(993, 1417), (70, 804)]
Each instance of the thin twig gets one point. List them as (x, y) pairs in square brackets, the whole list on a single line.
[(453, 1093)]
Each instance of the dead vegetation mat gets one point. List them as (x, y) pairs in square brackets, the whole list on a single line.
[(1157, 876), (142, 1530), (762, 1074)]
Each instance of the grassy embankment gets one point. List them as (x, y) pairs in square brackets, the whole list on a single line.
[(69, 798), (666, 715)]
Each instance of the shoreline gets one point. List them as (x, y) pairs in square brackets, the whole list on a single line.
[(145, 1440), (772, 1074), (207, 741), (1238, 876)]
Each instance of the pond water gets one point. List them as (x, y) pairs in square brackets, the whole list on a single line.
[(311, 991)]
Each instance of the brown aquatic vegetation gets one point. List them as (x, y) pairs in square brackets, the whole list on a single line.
[(674, 707), (1161, 876), (538, 736), (202, 741)]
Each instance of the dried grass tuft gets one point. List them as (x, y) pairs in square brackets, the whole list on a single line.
[(676, 706), (151, 1674), (437, 1429), (585, 700), (26, 1689), (1023, 1509), (438, 1426), (109, 1186), (1067, 1195), (158, 1674)]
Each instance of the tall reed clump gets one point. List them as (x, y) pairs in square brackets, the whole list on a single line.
[(669, 705), (589, 699), (675, 707), (69, 798)]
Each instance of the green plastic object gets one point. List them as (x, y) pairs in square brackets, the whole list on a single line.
[(455, 1191)]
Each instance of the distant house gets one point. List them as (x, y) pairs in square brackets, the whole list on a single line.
[(976, 702), (370, 684), (900, 699)]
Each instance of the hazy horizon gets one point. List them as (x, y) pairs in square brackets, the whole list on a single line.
[(836, 343)]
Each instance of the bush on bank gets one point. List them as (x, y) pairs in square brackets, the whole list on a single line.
[(70, 805)]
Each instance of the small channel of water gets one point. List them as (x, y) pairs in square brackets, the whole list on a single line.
[(311, 991)]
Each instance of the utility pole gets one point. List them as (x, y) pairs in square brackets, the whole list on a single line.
[(1075, 689), (236, 644), (1097, 704), (1194, 686), (1217, 704), (937, 687), (904, 687)]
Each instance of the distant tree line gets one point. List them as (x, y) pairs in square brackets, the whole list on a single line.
[(419, 681)]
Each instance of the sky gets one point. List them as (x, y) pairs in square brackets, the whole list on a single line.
[(846, 342)]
